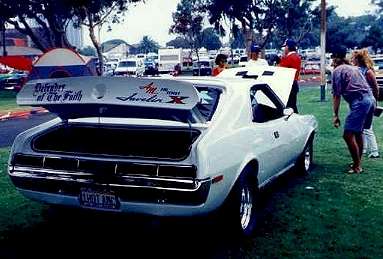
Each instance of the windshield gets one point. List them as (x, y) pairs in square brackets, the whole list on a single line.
[(127, 64), (201, 64)]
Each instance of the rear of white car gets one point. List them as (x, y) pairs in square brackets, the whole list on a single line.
[(156, 146)]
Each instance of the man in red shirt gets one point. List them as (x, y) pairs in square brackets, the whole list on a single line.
[(292, 59)]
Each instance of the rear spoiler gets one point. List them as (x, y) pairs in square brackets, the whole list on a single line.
[(61, 93)]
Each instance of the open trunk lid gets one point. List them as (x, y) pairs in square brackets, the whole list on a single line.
[(81, 97)]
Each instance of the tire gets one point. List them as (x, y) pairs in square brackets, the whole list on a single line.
[(305, 160), (240, 208)]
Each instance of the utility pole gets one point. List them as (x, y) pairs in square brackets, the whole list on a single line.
[(323, 52), (290, 20), (3, 37)]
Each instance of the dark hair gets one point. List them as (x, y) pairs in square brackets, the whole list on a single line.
[(219, 58)]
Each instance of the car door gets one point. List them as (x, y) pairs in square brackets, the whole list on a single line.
[(278, 137)]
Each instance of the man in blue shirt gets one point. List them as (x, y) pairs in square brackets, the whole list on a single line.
[(349, 82)]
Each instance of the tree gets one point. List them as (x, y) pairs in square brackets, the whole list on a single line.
[(374, 39), (246, 16), (188, 23), (52, 18), (95, 13), (87, 51), (258, 19), (148, 45), (210, 40), (179, 42)]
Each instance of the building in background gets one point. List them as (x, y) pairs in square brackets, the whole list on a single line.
[(75, 36)]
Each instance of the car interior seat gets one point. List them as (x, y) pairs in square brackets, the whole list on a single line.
[(258, 114)]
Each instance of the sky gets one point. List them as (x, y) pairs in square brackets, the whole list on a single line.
[(154, 19)]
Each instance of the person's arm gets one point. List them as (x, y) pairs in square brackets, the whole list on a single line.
[(336, 104), (371, 78)]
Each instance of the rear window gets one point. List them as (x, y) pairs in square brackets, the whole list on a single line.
[(242, 59)]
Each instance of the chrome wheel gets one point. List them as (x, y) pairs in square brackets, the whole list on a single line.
[(307, 157), (240, 208), (305, 160), (246, 206)]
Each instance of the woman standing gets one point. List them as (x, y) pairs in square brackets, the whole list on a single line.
[(349, 82), (220, 61), (362, 59)]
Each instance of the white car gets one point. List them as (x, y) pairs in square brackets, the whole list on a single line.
[(130, 67), (180, 146), (243, 61)]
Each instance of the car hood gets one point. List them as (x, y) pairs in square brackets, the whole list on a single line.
[(81, 97), (279, 79)]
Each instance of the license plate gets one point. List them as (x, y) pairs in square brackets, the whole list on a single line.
[(101, 199)]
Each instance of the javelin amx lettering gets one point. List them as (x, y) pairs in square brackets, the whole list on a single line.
[(135, 98), (177, 99)]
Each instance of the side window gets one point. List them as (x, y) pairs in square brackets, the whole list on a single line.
[(256, 109), (265, 105)]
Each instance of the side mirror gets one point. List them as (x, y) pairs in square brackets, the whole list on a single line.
[(288, 112)]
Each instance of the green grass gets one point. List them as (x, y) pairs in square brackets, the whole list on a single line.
[(340, 216), (16, 212), (8, 102)]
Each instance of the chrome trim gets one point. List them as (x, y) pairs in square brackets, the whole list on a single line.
[(81, 165), (131, 181)]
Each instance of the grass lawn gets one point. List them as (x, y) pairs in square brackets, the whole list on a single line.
[(328, 214), (8, 102)]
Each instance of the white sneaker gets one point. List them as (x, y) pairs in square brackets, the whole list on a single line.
[(374, 155), (364, 151)]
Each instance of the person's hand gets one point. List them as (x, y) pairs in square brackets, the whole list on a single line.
[(336, 121)]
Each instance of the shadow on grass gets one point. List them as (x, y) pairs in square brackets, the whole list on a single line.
[(72, 234)]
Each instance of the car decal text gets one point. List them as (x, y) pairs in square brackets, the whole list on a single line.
[(54, 92), (151, 93)]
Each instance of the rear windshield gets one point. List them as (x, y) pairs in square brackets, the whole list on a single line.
[(209, 98), (207, 106)]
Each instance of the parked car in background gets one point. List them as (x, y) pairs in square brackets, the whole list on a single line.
[(130, 67), (242, 61), (151, 67), (109, 68), (310, 68), (14, 80), (202, 68), (4, 76), (216, 163)]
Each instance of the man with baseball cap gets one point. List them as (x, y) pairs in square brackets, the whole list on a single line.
[(255, 60), (349, 82), (292, 59)]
